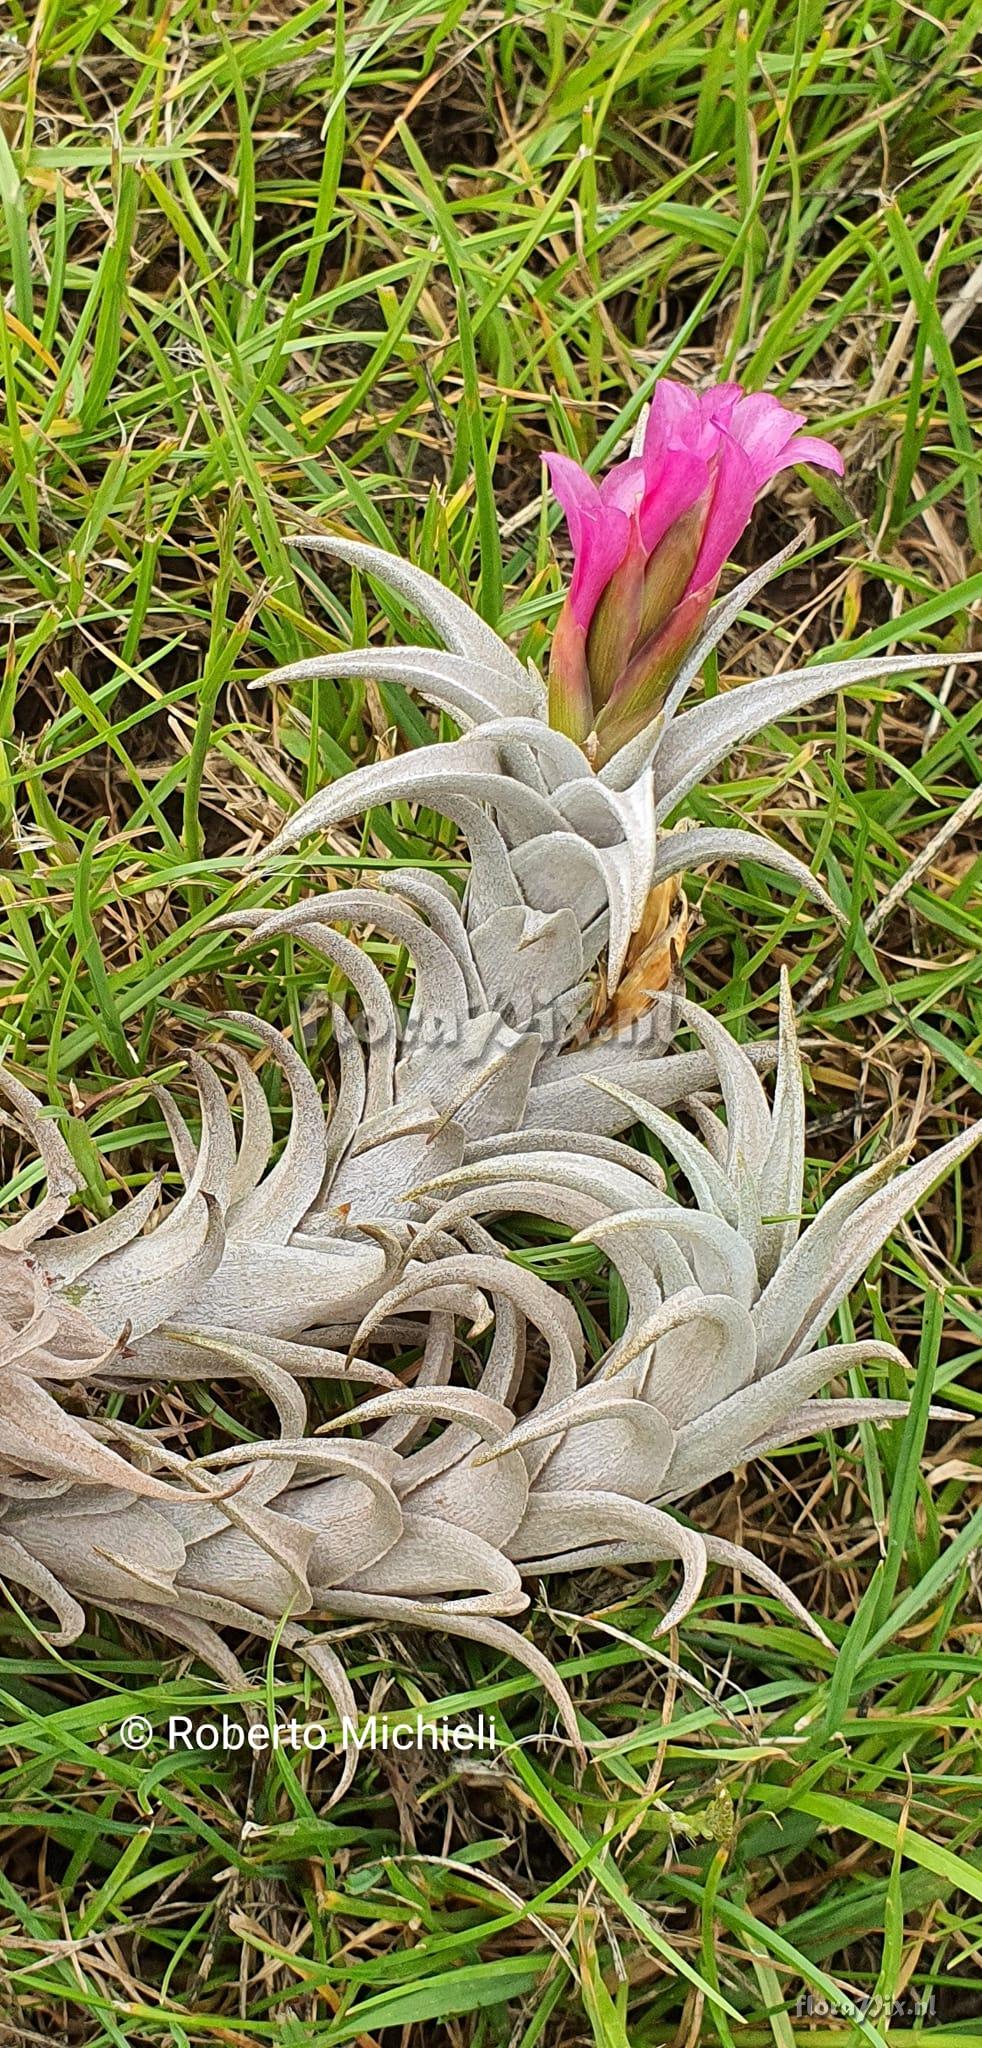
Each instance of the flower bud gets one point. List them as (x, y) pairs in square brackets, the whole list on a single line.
[(649, 545)]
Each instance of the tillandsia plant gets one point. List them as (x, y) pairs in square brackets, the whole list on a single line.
[(293, 1531), (717, 1365), (490, 1047), (501, 1086), (219, 1283), (583, 796), (726, 1303), (254, 1257)]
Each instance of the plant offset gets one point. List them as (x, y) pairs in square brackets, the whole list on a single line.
[(491, 1025)]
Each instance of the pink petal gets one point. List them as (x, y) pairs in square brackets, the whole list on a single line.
[(768, 432), (734, 493), (760, 411), (674, 417), (695, 426), (678, 443), (672, 488), (821, 454), (763, 427), (623, 486), (718, 403), (576, 491), (599, 524)]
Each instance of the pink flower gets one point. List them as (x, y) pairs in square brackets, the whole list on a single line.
[(650, 543)]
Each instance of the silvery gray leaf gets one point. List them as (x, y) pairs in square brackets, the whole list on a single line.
[(470, 691), (697, 741), (462, 628), (837, 1247)]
